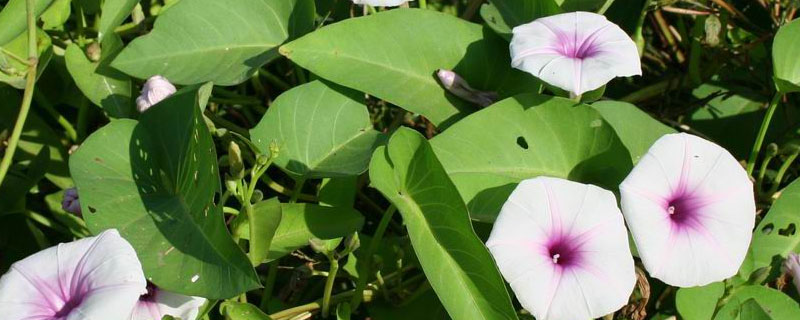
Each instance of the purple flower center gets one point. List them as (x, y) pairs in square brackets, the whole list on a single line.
[(564, 252), (572, 45), (70, 305), (684, 211), (150, 296)]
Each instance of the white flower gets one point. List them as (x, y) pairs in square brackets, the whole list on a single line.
[(564, 249), (381, 3), (156, 88), (96, 278), (157, 303), (691, 210), (576, 51)]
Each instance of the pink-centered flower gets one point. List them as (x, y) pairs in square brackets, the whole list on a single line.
[(690, 207), (563, 247), (157, 303), (575, 51), (92, 278), (156, 88), (381, 3)]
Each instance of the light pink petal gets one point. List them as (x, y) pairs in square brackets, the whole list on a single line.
[(92, 278), (564, 249), (168, 303), (690, 207), (576, 51)]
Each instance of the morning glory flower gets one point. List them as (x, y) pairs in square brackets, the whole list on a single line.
[(92, 278), (381, 3), (690, 207), (156, 88), (575, 51), (563, 247), (70, 203), (459, 87), (157, 303)]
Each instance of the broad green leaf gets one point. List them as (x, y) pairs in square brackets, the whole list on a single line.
[(104, 86), (301, 221), (456, 263), (751, 310), (774, 303), (56, 15), (529, 135), (785, 50), (338, 192), (264, 222), (15, 72), (210, 40), (322, 130), (114, 12), (699, 303), (504, 15), (776, 234), (394, 55), (242, 311), (36, 135), (425, 306), (14, 18), (635, 128), (155, 181)]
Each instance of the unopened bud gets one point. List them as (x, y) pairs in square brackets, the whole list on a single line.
[(93, 52), (257, 196), (230, 184), (456, 85), (71, 203), (772, 150), (274, 149), (156, 88), (235, 160), (351, 243), (262, 160)]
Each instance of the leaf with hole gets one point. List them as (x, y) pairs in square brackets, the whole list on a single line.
[(776, 234), (322, 130), (156, 184), (530, 135), (456, 263)]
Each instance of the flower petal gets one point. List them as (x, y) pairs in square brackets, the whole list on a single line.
[(165, 303), (564, 249), (690, 208)]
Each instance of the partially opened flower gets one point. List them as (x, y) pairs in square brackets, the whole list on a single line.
[(93, 278), (156, 88), (564, 249), (576, 51), (157, 303), (381, 3), (690, 207), (459, 87)]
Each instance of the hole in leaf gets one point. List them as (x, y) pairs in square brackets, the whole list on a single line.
[(790, 230), (522, 143), (92, 209), (767, 229)]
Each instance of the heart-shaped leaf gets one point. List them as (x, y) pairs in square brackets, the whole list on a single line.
[(785, 50), (456, 263), (104, 86), (398, 63), (774, 303), (323, 130), (210, 40), (776, 234), (155, 181), (530, 135), (635, 128)]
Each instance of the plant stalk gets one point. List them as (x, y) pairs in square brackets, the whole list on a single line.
[(751, 161), (373, 246), (326, 297)]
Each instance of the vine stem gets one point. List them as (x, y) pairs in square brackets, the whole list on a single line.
[(423, 4), (326, 296), (33, 61), (751, 161), (373, 245)]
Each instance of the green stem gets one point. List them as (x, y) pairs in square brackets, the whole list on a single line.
[(274, 80), (751, 162), (781, 172), (45, 103), (326, 297), (219, 121), (423, 4), (83, 119), (762, 171), (269, 285), (638, 37), (373, 246), (27, 96), (298, 187), (277, 187)]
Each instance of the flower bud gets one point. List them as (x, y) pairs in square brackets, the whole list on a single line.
[(351, 243), (792, 267), (93, 52), (235, 160), (274, 149), (70, 203), (456, 85), (772, 150), (156, 88), (257, 196)]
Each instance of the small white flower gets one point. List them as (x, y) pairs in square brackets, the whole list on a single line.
[(690, 208), (156, 88), (381, 3), (575, 51), (563, 247), (157, 303), (92, 278)]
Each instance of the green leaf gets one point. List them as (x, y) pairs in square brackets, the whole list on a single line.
[(528, 135), (776, 234), (114, 12), (635, 128), (338, 192), (785, 50), (15, 72), (104, 86), (751, 310), (18, 182), (14, 18), (774, 303), (241, 311), (583, 5), (343, 311), (264, 221), (394, 55), (456, 263), (155, 181), (699, 303), (504, 15), (208, 40), (56, 15), (425, 306), (322, 131)]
